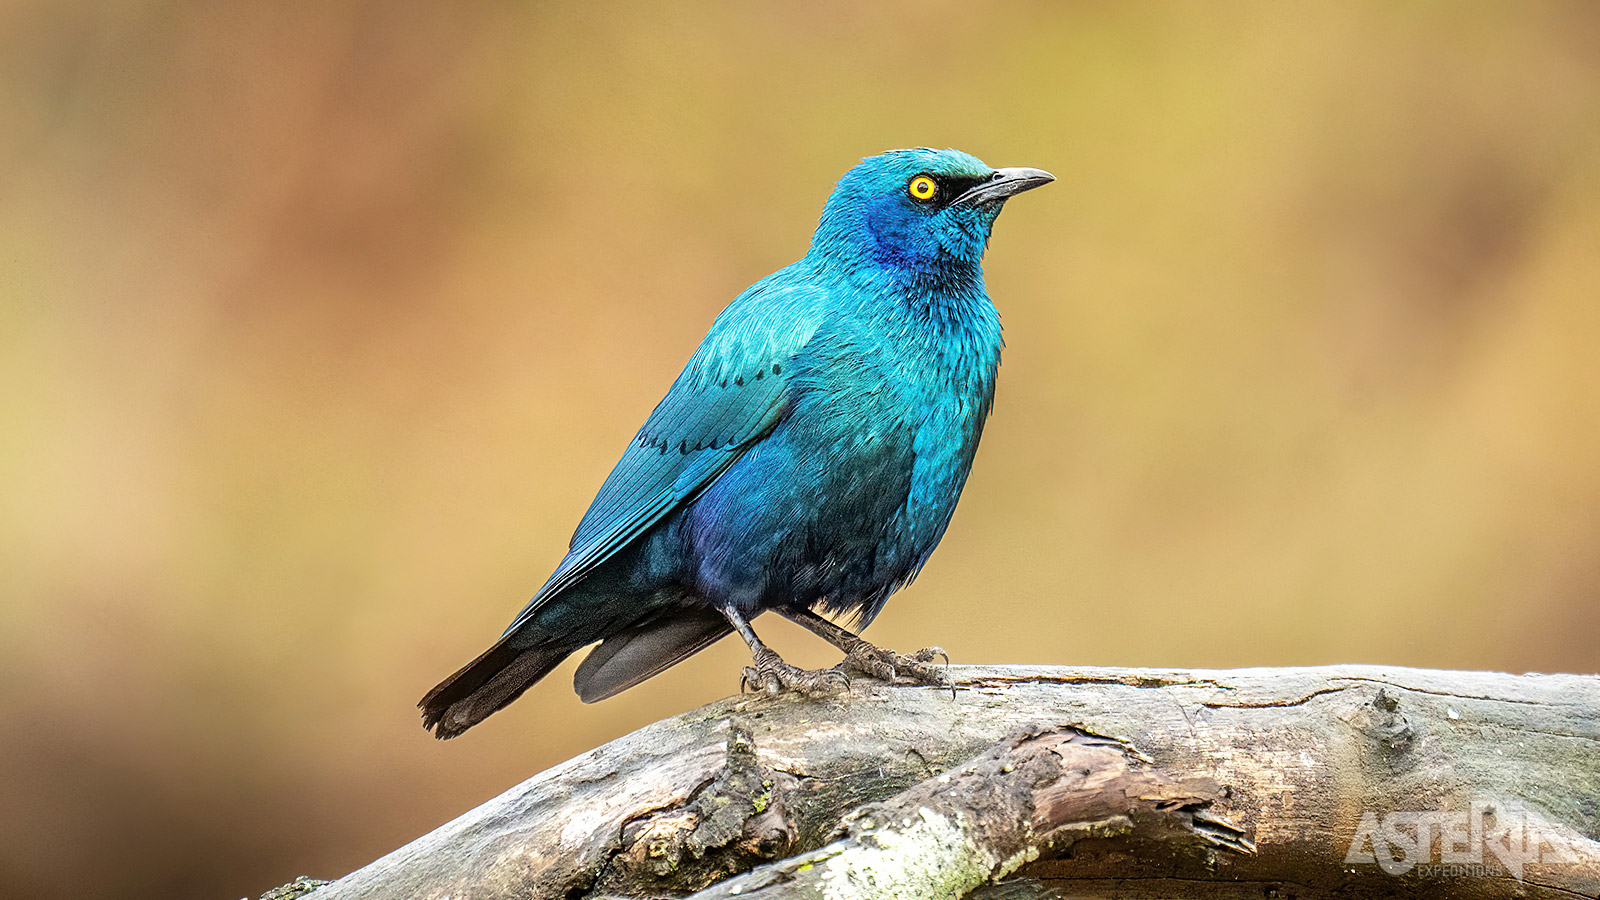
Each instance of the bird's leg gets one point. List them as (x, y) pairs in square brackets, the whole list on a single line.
[(772, 675), (861, 656)]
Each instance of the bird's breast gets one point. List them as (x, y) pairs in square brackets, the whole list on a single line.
[(846, 497)]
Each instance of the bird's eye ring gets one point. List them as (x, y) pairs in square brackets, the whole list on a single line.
[(922, 188)]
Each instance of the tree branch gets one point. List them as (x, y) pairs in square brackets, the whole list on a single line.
[(1351, 781)]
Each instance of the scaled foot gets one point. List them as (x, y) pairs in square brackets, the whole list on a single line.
[(771, 675), (890, 666)]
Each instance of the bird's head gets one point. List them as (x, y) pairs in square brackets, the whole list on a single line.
[(920, 211)]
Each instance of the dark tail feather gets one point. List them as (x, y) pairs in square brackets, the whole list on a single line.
[(484, 685), (629, 657)]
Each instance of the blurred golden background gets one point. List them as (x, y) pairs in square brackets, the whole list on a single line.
[(322, 322)]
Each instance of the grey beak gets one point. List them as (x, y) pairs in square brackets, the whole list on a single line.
[(1004, 183)]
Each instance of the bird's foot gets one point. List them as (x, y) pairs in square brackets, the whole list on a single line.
[(773, 676), (887, 665)]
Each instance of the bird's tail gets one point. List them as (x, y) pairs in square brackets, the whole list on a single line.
[(484, 685)]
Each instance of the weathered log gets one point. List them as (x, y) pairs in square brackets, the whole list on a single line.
[(1335, 771), (1033, 795)]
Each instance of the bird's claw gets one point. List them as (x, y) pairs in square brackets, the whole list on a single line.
[(772, 676), (887, 665)]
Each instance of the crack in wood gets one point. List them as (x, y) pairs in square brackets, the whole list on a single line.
[(1275, 704)]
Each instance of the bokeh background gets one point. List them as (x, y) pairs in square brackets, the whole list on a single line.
[(320, 322)]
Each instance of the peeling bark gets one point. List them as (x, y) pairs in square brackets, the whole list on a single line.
[(1033, 796), (1332, 771), (736, 820)]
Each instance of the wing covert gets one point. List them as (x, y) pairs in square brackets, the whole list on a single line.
[(729, 396)]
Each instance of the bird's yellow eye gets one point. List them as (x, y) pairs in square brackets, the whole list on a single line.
[(922, 188)]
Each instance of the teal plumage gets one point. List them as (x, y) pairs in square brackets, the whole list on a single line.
[(808, 457)]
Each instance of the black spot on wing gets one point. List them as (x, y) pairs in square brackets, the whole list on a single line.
[(705, 418)]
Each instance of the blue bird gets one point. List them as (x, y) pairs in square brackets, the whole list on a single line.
[(806, 461)]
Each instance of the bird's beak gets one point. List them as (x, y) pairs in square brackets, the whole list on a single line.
[(1004, 183)]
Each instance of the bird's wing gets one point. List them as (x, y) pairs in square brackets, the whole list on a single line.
[(729, 396)]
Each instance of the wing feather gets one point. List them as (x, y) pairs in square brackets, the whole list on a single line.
[(733, 391)]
